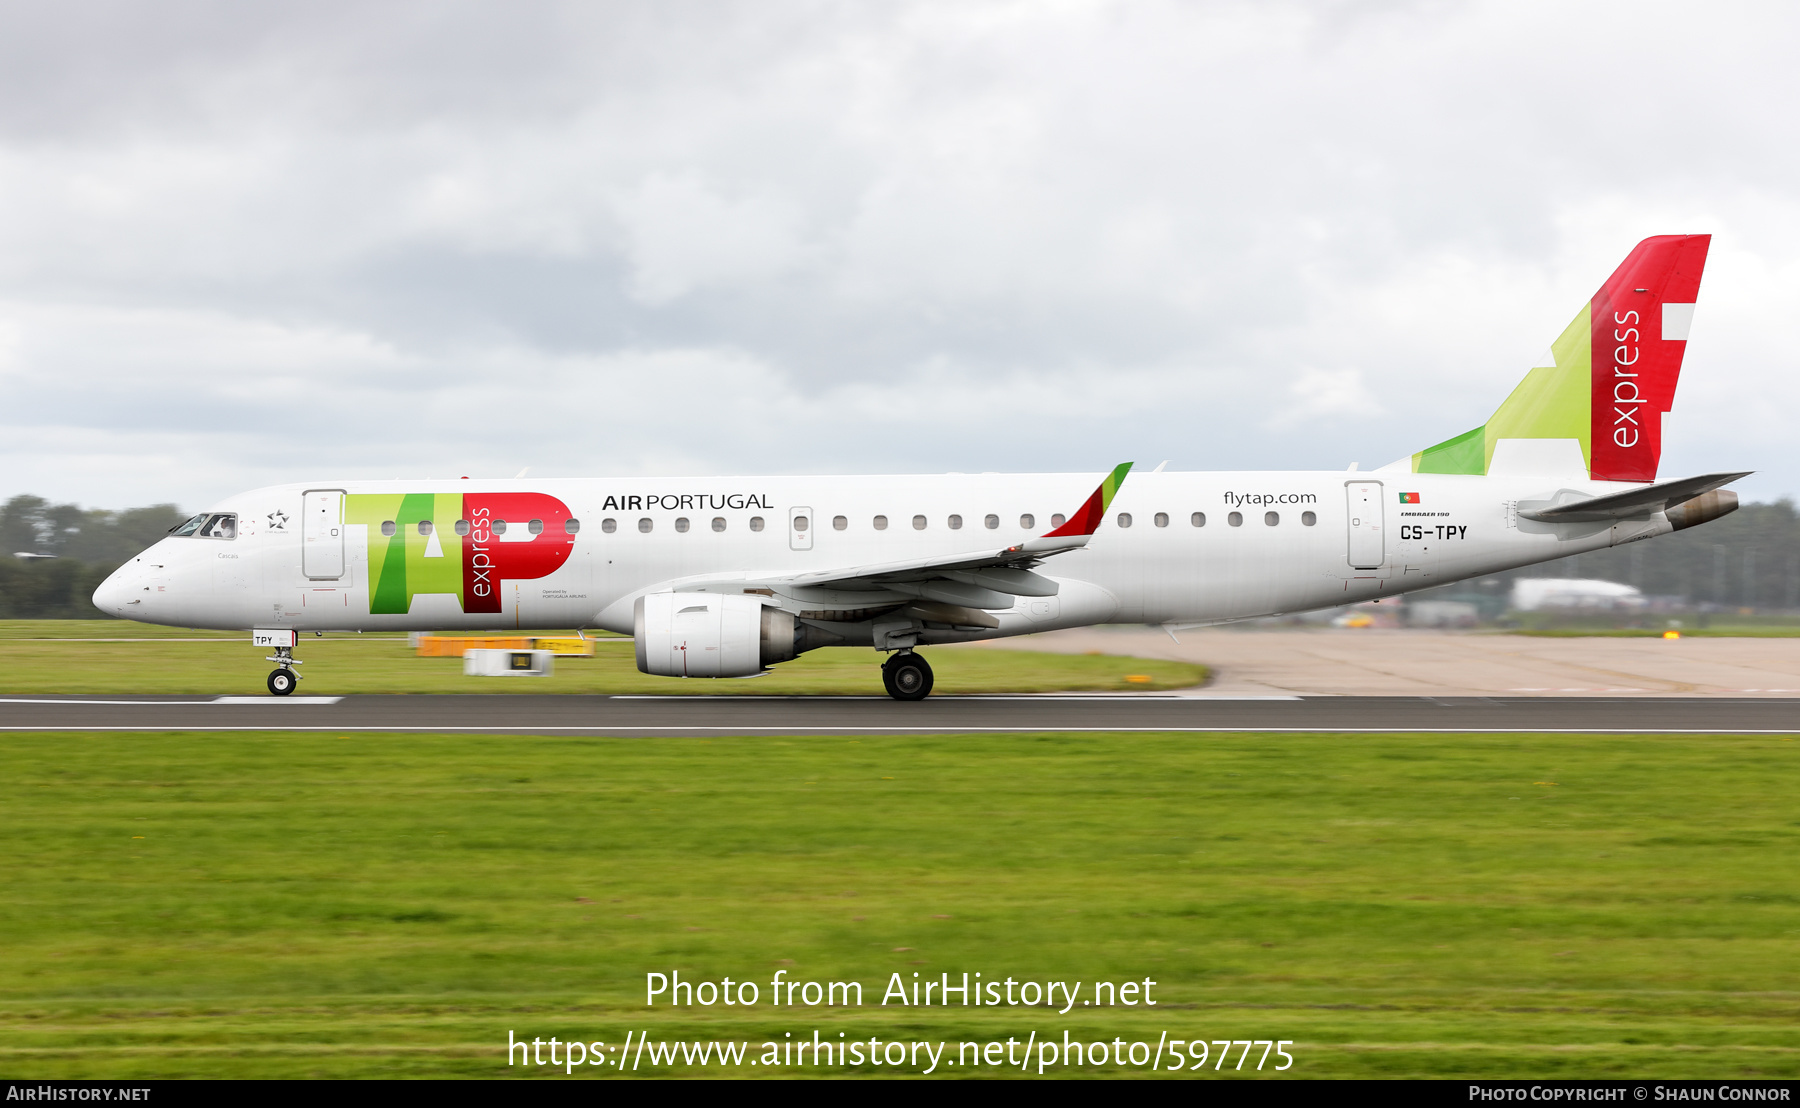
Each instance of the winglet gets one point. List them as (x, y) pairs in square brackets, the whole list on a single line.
[(1087, 520)]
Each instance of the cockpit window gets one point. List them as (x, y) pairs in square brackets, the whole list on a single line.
[(209, 525)]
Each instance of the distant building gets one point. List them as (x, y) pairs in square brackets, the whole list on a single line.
[(1530, 594), (1442, 613)]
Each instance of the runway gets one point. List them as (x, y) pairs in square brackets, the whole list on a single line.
[(721, 716)]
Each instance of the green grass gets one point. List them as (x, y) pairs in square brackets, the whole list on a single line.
[(143, 659), (1689, 632), (115, 629), (270, 905), (1721, 624)]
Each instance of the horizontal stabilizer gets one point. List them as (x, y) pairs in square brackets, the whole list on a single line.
[(1633, 502)]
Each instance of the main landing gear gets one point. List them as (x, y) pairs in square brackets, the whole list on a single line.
[(906, 676), (283, 679)]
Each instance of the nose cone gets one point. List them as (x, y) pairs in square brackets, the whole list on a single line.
[(114, 594)]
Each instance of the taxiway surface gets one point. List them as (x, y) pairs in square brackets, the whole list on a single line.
[(653, 716), (1417, 662)]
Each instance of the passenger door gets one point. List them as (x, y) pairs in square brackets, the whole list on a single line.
[(322, 535), (1366, 517)]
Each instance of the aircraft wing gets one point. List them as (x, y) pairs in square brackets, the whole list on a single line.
[(958, 586), (1632, 502)]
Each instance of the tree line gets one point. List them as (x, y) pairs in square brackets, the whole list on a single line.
[(1749, 559), (53, 556)]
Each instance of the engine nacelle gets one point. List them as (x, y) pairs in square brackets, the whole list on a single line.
[(704, 634), (1704, 508)]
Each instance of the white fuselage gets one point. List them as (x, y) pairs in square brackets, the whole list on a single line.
[(1164, 566)]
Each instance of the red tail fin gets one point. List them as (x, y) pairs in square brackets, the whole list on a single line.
[(1640, 320)]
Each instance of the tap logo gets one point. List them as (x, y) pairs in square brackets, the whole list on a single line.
[(468, 546)]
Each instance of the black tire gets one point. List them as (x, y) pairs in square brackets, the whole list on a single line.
[(907, 677), (282, 682)]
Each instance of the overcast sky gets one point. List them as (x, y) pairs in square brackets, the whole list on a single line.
[(249, 243)]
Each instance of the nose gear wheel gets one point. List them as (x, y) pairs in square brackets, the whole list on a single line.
[(285, 677)]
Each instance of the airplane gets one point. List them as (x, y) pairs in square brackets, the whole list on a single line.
[(727, 576)]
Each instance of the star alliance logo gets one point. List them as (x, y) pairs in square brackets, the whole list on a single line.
[(278, 520)]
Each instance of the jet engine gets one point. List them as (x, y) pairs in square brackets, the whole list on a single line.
[(1704, 508), (702, 634)]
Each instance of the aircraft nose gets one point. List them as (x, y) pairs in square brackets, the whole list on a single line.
[(114, 593)]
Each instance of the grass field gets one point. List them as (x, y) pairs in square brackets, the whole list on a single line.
[(1716, 632), (113, 656), (1720, 624), (379, 905)]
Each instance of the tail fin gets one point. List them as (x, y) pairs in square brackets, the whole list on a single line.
[(1604, 385)]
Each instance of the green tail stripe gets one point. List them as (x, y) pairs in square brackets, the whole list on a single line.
[(1466, 453), (1552, 402)]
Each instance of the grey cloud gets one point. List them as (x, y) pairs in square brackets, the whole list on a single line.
[(914, 236)]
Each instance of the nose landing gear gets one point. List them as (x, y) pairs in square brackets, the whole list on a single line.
[(283, 679), (283, 640), (907, 676)]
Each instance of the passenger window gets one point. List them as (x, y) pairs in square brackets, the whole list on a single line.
[(1308, 518), (1270, 519), (462, 527), (955, 523), (387, 528), (880, 523), (645, 524), (756, 523), (608, 526), (918, 523), (536, 526), (1236, 519), (424, 527), (498, 527), (1124, 519), (1058, 519), (1162, 519), (718, 523), (571, 526), (1198, 519), (991, 522), (1028, 521), (838, 523), (681, 525), (799, 523)]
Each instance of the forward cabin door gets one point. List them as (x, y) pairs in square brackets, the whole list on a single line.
[(322, 535), (1366, 517), (800, 528)]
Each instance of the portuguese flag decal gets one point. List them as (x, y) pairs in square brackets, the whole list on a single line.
[(1409, 498)]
